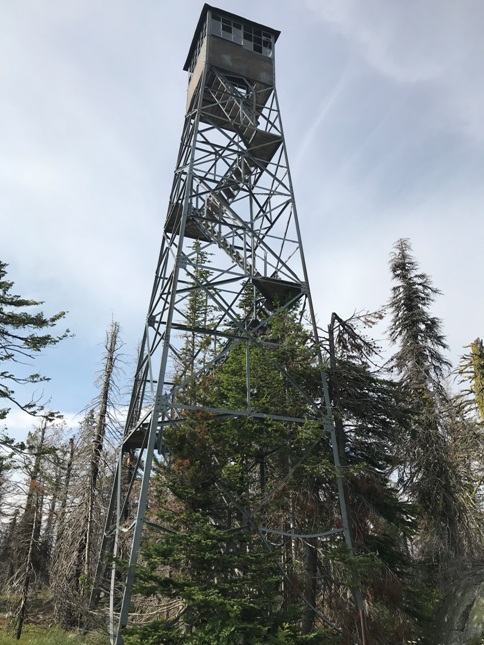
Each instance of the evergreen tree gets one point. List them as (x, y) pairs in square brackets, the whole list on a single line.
[(239, 497), (23, 334), (370, 415), (471, 371), (196, 347), (426, 474), (469, 436)]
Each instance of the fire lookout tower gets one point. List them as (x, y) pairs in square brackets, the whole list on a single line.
[(231, 237)]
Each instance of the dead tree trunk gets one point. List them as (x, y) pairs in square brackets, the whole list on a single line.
[(80, 529), (98, 441), (65, 492), (29, 531), (29, 571)]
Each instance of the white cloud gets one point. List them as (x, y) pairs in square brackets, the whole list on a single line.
[(437, 42), (18, 424)]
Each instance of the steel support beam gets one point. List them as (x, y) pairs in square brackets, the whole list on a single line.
[(232, 194)]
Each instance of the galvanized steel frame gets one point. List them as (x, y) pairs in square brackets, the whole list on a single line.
[(232, 191)]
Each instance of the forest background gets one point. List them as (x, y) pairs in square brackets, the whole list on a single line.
[(410, 446)]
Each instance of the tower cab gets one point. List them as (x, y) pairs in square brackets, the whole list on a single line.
[(242, 50)]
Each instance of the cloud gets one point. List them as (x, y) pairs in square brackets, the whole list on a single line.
[(80, 177), (437, 43), (18, 424), (324, 110)]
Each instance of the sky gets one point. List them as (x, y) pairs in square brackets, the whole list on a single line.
[(382, 105)]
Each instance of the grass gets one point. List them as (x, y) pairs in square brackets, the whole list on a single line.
[(36, 635)]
